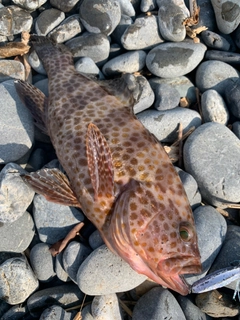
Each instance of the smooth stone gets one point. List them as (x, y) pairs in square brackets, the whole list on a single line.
[(64, 5), (14, 20), (42, 262), (206, 15), (94, 46), (214, 74), (37, 159), (142, 34), (148, 5), (87, 65), (227, 13), (115, 50), (236, 128), (182, 84), (127, 7), (16, 125), (35, 63), (15, 313), (215, 41), (211, 231), (171, 15), (87, 313), (166, 97), (100, 16), (11, 69), (213, 107), (68, 29), (4, 307), (43, 86), (103, 272), (232, 58), (106, 307), (54, 221), (124, 23), (190, 310), (95, 240), (17, 236), (17, 280), (217, 174), (15, 197), (129, 62), (169, 60), (157, 304), (56, 312), (232, 95), (29, 4), (73, 256), (164, 124), (48, 20), (63, 295), (146, 95), (59, 268)]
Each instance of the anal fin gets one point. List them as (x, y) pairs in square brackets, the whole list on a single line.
[(35, 100), (53, 185)]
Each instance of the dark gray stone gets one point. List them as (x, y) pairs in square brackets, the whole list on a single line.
[(232, 58), (190, 310), (236, 128), (214, 40), (95, 240), (166, 97), (48, 20), (232, 97), (54, 313), (64, 5)]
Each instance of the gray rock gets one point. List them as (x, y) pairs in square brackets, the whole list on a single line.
[(87, 65), (190, 310), (16, 125), (59, 269), (106, 307), (69, 28), (37, 159), (206, 16), (35, 63), (29, 4), (42, 262), (164, 124), (214, 108), (236, 128), (127, 7), (214, 40), (63, 295), (94, 46), (17, 280), (48, 20), (53, 221), (99, 16), (103, 272), (64, 5), (74, 254), (166, 97), (15, 197), (124, 23), (171, 15), (95, 240), (232, 95), (157, 304), (146, 95), (232, 58), (214, 74), (43, 86), (142, 34), (129, 62), (55, 313), (211, 230), (14, 20), (11, 69), (16, 236), (148, 5), (15, 313), (227, 14), (87, 313), (170, 59), (211, 155)]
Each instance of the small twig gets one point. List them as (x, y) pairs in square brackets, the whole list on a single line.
[(125, 308)]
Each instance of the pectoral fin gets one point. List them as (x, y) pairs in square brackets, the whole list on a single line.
[(53, 185), (35, 100), (99, 163)]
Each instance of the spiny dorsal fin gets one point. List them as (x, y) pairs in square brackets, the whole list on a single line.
[(99, 163), (53, 185), (35, 100)]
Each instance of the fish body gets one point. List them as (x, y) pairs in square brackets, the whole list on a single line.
[(118, 173)]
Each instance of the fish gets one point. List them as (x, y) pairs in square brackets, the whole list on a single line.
[(117, 172)]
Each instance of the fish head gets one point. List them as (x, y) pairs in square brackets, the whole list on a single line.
[(155, 234)]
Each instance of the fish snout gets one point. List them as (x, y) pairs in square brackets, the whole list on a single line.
[(181, 265)]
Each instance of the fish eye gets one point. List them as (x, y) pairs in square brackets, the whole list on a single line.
[(185, 232)]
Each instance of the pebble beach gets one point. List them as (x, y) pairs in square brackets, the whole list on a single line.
[(185, 63)]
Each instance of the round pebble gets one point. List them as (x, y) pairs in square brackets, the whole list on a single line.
[(236, 128), (232, 58), (55, 313), (48, 20), (146, 95), (64, 5), (166, 97), (87, 65), (95, 240), (106, 307), (11, 69), (232, 95), (148, 5), (214, 40), (191, 311), (170, 59), (59, 269), (124, 23), (28, 4)]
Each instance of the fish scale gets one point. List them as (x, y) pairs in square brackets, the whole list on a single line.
[(117, 172)]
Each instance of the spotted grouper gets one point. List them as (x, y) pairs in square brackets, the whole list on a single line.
[(116, 170)]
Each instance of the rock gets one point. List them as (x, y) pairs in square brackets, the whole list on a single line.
[(87, 65), (227, 14), (64, 5), (11, 69), (166, 97), (127, 7), (14, 142), (124, 23), (99, 16), (15, 312), (146, 95), (211, 155), (148, 5), (94, 46), (103, 272), (68, 29), (157, 304), (29, 4), (16, 236), (214, 108), (17, 280), (171, 15), (73, 256), (14, 20), (214, 40), (236, 128), (42, 262), (48, 20), (191, 311), (206, 16), (55, 313), (15, 197), (87, 313), (142, 34), (53, 221), (232, 58), (35, 63), (232, 95), (164, 124), (169, 60), (59, 269), (214, 75), (129, 62), (95, 240), (63, 295), (106, 307)]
